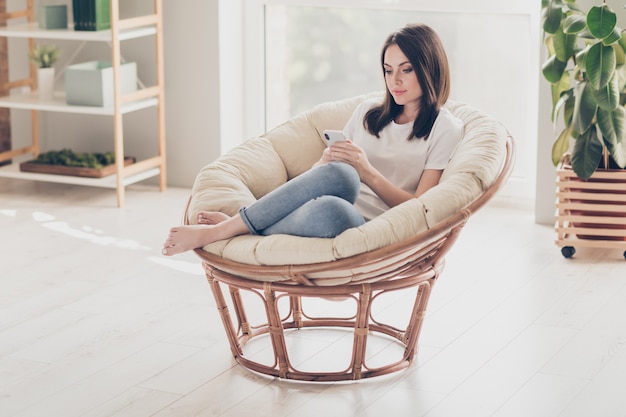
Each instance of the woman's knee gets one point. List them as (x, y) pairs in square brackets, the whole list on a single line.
[(346, 179), (343, 171), (342, 213)]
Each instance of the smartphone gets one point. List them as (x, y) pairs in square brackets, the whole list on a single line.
[(333, 136)]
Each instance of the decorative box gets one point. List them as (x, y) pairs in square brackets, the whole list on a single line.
[(53, 17), (91, 83)]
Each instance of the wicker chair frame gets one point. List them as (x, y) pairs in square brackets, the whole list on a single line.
[(413, 264)]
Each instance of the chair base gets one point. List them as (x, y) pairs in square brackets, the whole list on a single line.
[(284, 306)]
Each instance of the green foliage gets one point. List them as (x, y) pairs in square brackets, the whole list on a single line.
[(67, 157), (44, 56), (586, 68)]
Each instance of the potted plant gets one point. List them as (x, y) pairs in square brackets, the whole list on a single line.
[(44, 57), (587, 72)]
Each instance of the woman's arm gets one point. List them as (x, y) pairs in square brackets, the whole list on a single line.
[(393, 195), (390, 194)]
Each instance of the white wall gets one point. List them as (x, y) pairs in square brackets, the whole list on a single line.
[(192, 89), (546, 172)]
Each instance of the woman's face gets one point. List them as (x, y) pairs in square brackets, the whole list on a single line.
[(400, 77)]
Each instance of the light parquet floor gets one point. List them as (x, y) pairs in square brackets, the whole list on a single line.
[(94, 322)]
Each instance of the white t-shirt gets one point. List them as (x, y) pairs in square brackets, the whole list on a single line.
[(401, 161)]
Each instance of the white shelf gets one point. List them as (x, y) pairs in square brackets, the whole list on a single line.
[(30, 101), (32, 30), (13, 171)]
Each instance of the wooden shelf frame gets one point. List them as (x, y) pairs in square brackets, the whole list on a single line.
[(153, 96)]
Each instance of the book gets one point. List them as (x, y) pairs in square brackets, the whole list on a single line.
[(76, 8), (102, 15), (91, 15)]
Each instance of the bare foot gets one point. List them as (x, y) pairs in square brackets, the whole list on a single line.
[(211, 217), (184, 238), (188, 237)]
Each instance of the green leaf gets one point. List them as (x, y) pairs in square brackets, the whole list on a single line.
[(586, 154), (563, 98), (614, 37), (564, 45), (620, 56), (545, 3), (581, 58), (622, 41), (600, 65), (585, 34), (611, 124), (601, 21), (44, 55), (618, 152), (561, 145), (568, 112), (607, 98), (575, 23), (549, 42), (552, 15), (584, 107), (553, 69), (571, 5)]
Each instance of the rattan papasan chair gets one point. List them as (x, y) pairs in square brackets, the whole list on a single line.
[(271, 280)]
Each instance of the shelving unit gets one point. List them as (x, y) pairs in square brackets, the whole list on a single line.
[(153, 96)]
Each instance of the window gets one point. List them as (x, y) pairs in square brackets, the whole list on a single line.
[(313, 54)]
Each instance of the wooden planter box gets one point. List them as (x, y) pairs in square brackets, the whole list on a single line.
[(74, 171), (591, 213)]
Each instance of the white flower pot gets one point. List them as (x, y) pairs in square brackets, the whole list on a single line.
[(45, 83)]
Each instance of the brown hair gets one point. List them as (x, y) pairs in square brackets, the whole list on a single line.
[(424, 50)]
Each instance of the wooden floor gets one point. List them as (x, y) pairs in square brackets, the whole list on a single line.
[(94, 322)]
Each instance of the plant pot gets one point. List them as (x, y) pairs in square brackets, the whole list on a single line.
[(45, 83), (591, 212), (606, 200)]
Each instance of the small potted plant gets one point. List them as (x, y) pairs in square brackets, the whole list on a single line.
[(587, 72), (44, 57)]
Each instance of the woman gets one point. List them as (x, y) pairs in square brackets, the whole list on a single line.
[(396, 150)]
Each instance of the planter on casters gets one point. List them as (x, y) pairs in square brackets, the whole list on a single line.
[(592, 212)]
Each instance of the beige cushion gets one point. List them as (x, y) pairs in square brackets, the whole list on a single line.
[(262, 164)]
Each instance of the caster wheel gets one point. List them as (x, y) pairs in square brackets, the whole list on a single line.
[(569, 251)]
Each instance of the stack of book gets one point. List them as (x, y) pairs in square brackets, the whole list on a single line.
[(91, 14)]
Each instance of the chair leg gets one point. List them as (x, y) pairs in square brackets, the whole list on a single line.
[(242, 318), (296, 310), (415, 323), (276, 331), (222, 308), (361, 329)]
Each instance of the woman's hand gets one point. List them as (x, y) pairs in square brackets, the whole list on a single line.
[(352, 155), (326, 157)]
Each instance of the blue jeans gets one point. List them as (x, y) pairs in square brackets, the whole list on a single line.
[(318, 203)]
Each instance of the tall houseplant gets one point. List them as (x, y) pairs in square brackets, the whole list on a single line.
[(587, 71)]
